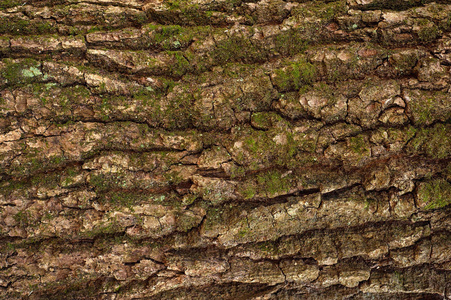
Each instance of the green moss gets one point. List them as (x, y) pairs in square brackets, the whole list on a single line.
[(56, 160), (268, 184), (4, 4), (252, 144), (186, 221), (21, 73), (173, 177), (268, 248), (160, 32), (272, 147), (238, 49), (174, 4), (290, 42), (428, 31), (261, 120), (22, 218), (359, 145), (324, 11), (430, 106), (119, 198), (249, 192), (237, 172), (126, 199), (17, 26), (214, 217), (435, 194), (178, 112), (181, 65), (404, 63), (11, 186), (64, 99), (107, 228), (140, 19), (103, 182), (244, 232), (49, 181), (434, 141), (174, 37), (274, 183), (48, 216), (45, 27), (294, 76)]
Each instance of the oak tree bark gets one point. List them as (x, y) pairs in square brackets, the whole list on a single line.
[(225, 149)]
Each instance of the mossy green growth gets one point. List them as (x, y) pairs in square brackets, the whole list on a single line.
[(294, 76), (404, 62), (104, 182), (359, 145), (244, 232), (249, 191), (174, 37), (435, 193), (62, 100), (434, 141), (127, 199), (173, 177), (13, 186), (112, 226), (272, 147), (68, 177), (49, 181), (274, 183), (215, 216), (181, 64), (290, 42), (189, 13), (21, 72), (238, 49), (22, 218), (326, 11), (161, 32), (267, 184), (178, 112), (268, 248), (423, 112), (15, 26), (263, 120), (186, 221), (4, 4), (429, 106), (428, 31)]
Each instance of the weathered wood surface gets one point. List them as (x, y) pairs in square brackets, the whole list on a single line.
[(207, 149)]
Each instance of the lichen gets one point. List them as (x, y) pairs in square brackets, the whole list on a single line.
[(21, 72)]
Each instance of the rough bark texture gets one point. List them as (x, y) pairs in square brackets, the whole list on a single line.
[(206, 149)]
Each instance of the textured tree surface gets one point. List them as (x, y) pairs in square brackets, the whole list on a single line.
[(201, 149)]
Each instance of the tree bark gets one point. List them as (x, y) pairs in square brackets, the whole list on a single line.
[(225, 149)]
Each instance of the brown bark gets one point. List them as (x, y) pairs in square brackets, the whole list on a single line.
[(225, 149)]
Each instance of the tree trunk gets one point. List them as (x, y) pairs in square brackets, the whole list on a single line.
[(225, 149)]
